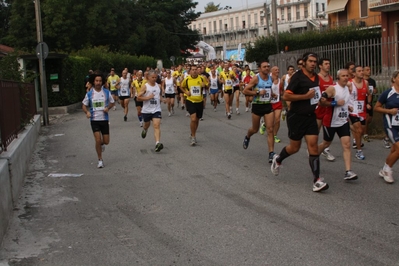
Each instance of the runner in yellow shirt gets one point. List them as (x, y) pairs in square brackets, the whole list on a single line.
[(227, 77), (136, 87), (113, 85)]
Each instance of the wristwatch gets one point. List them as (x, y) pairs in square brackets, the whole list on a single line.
[(257, 92)]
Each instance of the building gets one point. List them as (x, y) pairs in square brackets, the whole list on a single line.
[(389, 10), (231, 26), (352, 13)]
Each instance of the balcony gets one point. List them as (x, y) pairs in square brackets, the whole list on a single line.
[(293, 3), (374, 21), (383, 5)]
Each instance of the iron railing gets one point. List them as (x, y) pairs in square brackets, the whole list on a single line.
[(17, 108)]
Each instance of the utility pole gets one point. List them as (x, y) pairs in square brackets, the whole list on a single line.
[(267, 19), (41, 53), (275, 27)]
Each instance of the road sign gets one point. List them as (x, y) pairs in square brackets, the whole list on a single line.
[(42, 50)]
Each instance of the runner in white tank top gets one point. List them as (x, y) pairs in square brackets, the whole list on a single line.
[(169, 90), (125, 92)]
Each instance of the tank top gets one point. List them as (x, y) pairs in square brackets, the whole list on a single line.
[(359, 96), (169, 86), (276, 90), (265, 85), (125, 88), (213, 82), (287, 78), (336, 116), (153, 105)]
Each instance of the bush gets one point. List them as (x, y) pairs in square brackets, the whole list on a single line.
[(103, 60), (266, 46), (9, 68)]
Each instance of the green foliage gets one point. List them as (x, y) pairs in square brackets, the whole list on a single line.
[(142, 27), (71, 73), (266, 46), (211, 7), (9, 68), (102, 59)]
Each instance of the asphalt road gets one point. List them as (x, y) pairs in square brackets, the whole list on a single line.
[(212, 204)]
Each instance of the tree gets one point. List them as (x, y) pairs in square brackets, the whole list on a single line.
[(211, 7), (5, 11)]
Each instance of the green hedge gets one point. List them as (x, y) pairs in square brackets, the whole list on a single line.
[(102, 59), (266, 46), (71, 73)]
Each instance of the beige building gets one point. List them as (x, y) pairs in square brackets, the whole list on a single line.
[(244, 25)]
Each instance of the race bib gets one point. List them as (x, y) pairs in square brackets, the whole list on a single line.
[(214, 84), (195, 91), (113, 82), (371, 89), (358, 107), (395, 120), (267, 96), (317, 95), (169, 89), (153, 101), (229, 82), (98, 105)]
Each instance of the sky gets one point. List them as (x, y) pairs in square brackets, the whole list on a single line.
[(233, 3)]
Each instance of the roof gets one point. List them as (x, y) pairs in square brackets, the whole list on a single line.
[(4, 49)]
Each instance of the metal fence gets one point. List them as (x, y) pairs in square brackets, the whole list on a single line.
[(380, 54), (17, 108)]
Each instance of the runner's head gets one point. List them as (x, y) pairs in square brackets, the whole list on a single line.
[(124, 73), (358, 72), (152, 77), (342, 77), (112, 71), (275, 71), (193, 71), (395, 77), (309, 61), (97, 75), (290, 70), (299, 63), (139, 75), (324, 65), (264, 67)]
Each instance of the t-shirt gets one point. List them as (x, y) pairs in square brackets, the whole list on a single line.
[(138, 84), (390, 98), (301, 84), (153, 105), (228, 79), (97, 101), (112, 80), (194, 85)]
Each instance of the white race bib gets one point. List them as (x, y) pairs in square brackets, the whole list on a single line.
[(195, 91), (229, 82), (98, 105), (317, 95), (371, 89), (358, 107), (395, 120), (169, 89), (267, 96)]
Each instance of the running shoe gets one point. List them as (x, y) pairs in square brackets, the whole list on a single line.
[(387, 145), (276, 139), (271, 155), (350, 175), (143, 133), (245, 142), (359, 155), (100, 164), (141, 123), (158, 147), (387, 175), (169, 114), (187, 114), (237, 111), (114, 108), (125, 118), (246, 109), (193, 141), (182, 107), (214, 109), (366, 138), (275, 167), (262, 129), (103, 147), (328, 155), (229, 115), (320, 185)]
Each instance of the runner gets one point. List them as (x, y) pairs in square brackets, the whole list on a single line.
[(99, 101), (205, 75), (277, 104), (285, 79), (325, 81), (112, 82), (169, 91), (150, 95), (335, 119), (177, 74), (227, 77), (260, 87), (213, 87), (192, 86), (369, 105), (359, 89), (236, 88), (137, 84), (247, 75), (125, 92), (304, 94), (388, 104)]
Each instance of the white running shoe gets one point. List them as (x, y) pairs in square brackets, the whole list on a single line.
[(328, 155), (246, 109), (275, 167), (114, 108), (320, 185), (169, 114), (141, 124), (237, 111), (100, 164), (387, 175)]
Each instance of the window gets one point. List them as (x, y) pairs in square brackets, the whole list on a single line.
[(237, 24), (282, 14), (289, 13), (256, 19), (204, 31), (249, 20), (317, 7), (210, 27), (298, 13), (323, 7), (214, 27), (306, 12), (220, 25), (231, 24), (363, 8)]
